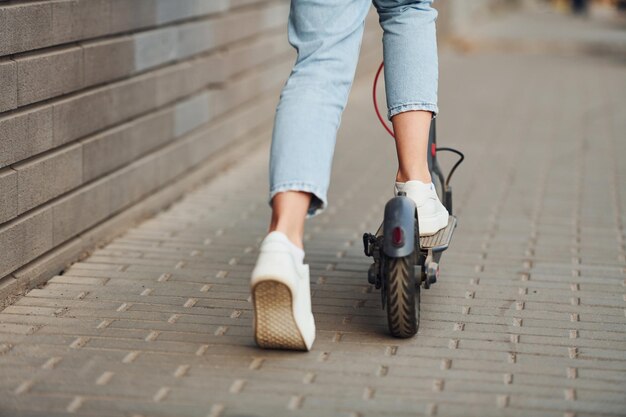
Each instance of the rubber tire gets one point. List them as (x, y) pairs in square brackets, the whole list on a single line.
[(403, 297)]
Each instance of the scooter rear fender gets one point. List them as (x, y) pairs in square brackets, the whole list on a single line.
[(399, 213)]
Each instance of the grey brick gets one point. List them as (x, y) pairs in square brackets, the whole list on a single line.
[(252, 116), (99, 108), (248, 22), (226, 131), (8, 289), (24, 26), (276, 15), (238, 25), (55, 72), (246, 88), (106, 151), (48, 176), (132, 182), (53, 262), (152, 131), (196, 37), (8, 191), (208, 70), (191, 113), (133, 97), (173, 82), (210, 7), (8, 85), (155, 47), (81, 115), (108, 60), (123, 144), (80, 210), (23, 239), (86, 113), (129, 15), (238, 3), (25, 134), (247, 55), (79, 19), (182, 9), (174, 160)]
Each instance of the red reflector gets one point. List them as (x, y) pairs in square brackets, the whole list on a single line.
[(397, 236), (433, 149)]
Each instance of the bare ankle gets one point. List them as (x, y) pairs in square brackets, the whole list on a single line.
[(295, 237), (289, 209), (421, 176)]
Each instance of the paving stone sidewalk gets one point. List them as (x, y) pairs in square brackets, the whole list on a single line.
[(528, 318)]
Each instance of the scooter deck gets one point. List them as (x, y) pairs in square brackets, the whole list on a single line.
[(437, 242), (440, 240)]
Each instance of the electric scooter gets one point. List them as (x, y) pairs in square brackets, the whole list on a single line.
[(404, 261)]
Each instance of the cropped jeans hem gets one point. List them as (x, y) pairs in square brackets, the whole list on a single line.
[(411, 107), (319, 200)]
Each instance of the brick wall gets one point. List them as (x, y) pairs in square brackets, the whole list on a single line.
[(107, 107)]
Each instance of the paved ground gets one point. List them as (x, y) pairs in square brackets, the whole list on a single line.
[(527, 319)]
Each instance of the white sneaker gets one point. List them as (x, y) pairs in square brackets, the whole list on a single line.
[(431, 214), (281, 297)]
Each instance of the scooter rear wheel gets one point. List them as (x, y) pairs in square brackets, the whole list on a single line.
[(403, 297)]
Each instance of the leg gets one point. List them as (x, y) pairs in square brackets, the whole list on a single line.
[(411, 129), (411, 76), (327, 35), (289, 209)]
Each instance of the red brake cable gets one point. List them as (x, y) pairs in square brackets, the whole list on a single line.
[(380, 117)]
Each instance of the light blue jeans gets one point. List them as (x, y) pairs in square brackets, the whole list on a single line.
[(327, 35)]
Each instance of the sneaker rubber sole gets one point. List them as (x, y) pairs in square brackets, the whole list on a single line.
[(275, 325), (432, 225)]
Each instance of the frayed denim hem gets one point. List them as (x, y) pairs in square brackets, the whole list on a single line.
[(412, 106), (319, 201)]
